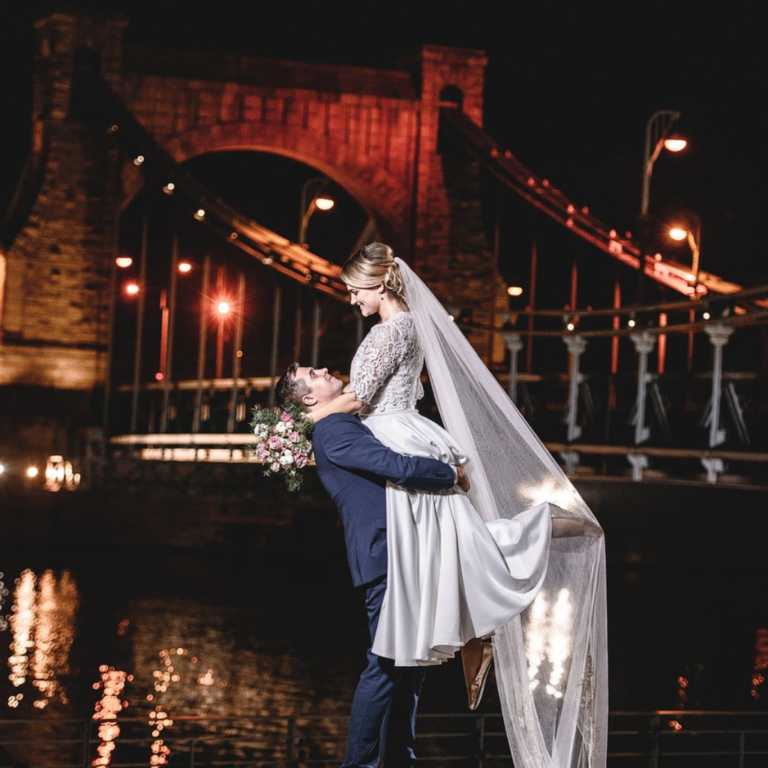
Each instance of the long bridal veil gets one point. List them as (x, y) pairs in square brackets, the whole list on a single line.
[(551, 660)]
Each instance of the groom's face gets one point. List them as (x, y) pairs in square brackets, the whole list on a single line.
[(323, 387)]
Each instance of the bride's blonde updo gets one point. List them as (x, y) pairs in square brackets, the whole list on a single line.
[(373, 265)]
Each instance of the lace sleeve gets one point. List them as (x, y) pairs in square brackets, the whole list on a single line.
[(376, 359)]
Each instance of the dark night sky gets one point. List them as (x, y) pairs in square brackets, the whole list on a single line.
[(568, 92)]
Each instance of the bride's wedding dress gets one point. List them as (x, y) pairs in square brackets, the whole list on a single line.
[(551, 660), (451, 575)]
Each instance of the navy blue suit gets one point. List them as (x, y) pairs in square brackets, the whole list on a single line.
[(354, 468)]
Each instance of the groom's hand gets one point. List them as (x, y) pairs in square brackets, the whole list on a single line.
[(462, 479)]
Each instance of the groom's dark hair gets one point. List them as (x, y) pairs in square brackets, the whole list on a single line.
[(289, 389)]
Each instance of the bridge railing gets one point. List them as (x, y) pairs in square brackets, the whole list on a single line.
[(688, 400), (662, 739)]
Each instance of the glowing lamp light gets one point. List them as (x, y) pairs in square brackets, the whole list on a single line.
[(324, 203), (159, 376), (123, 261), (2, 468), (677, 233), (132, 289), (515, 290), (631, 322), (32, 471), (675, 143), (200, 214), (222, 307), (571, 326), (138, 160), (184, 267), (169, 188)]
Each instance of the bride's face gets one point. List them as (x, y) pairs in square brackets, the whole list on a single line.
[(368, 300)]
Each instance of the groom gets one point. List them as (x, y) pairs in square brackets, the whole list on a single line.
[(354, 468)]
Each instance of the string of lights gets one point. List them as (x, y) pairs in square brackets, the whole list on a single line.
[(543, 196), (270, 248)]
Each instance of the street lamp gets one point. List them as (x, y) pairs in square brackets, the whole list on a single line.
[(658, 136), (222, 309), (692, 235), (313, 198)]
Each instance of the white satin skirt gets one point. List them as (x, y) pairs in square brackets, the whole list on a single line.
[(451, 576)]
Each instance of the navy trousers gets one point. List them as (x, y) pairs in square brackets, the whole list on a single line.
[(383, 717)]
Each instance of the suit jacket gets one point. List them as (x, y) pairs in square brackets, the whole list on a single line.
[(354, 467)]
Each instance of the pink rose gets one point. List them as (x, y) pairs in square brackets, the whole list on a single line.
[(294, 437), (275, 443), (286, 416), (300, 460)]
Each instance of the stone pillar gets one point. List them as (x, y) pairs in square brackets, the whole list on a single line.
[(451, 252), (58, 289)]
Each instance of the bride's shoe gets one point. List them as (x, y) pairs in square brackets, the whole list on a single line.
[(476, 658), (563, 527)]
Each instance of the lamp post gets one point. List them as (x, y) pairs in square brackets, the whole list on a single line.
[(313, 198), (222, 310), (138, 343), (657, 137), (201, 345), (692, 235)]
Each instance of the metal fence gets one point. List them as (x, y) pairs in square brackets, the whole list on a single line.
[(662, 739)]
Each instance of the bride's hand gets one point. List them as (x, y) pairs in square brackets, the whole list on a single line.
[(462, 479)]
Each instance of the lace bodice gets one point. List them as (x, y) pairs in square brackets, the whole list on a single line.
[(386, 369)]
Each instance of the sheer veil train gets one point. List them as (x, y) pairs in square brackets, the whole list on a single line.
[(551, 660)]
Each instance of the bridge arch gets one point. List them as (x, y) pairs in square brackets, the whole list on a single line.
[(373, 132), (385, 200)]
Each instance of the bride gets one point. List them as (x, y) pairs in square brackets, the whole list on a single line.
[(467, 566)]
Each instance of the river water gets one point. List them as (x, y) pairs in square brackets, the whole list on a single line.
[(276, 629)]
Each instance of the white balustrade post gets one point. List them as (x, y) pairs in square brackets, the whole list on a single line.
[(718, 337), (576, 346), (644, 343)]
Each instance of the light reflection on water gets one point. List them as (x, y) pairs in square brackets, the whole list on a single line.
[(164, 655), (197, 663), (277, 629), (42, 625)]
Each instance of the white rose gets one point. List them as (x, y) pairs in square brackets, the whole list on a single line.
[(286, 459), (281, 427), (275, 467)]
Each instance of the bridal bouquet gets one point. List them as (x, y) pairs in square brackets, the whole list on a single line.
[(283, 443)]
